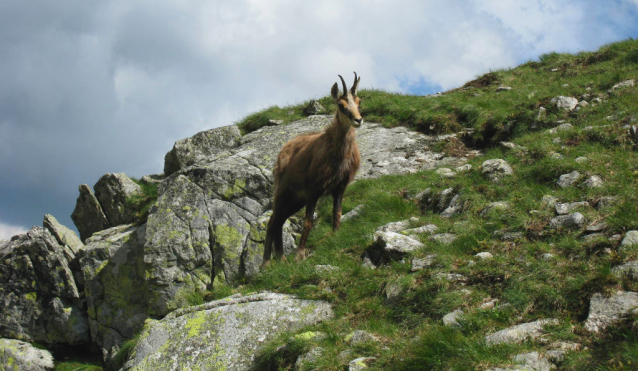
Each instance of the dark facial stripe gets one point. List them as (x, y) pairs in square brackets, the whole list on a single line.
[(345, 111)]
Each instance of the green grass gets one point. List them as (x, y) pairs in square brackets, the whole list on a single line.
[(410, 328), (143, 202)]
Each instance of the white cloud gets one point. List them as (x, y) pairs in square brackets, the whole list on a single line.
[(7, 231)]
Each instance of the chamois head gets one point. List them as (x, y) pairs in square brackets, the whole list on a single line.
[(348, 103)]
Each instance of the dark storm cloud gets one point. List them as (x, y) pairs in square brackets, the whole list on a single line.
[(88, 88)]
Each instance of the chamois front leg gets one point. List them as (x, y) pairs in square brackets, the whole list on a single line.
[(307, 226), (337, 198)]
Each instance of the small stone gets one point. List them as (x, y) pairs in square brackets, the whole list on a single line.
[(593, 181), (490, 304), (430, 228), (604, 312), (597, 227), (581, 159), (496, 169), (513, 146), (463, 168), (605, 202), (565, 85), (392, 292), (622, 85), (519, 333), (503, 88), (360, 363), (583, 103), (443, 238), (566, 208), (555, 69), (273, 122), (484, 255), (352, 213), (549, 200), (314, 108), (358, 337), (367, 263), (455, 207), (628, 270), (452, 319), (542, 114), (419, 264), (311, 356), (631, 239), (568, 180), (566, 103), (445, 172), (556, 156), (548, 256), (498, 206), (571, 221), (561, 127)]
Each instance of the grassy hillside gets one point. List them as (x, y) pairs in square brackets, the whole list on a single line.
[(412, 335), (528, 286)]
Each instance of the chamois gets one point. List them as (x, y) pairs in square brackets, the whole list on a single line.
[(314, 165)]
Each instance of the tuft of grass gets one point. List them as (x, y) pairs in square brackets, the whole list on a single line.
[(142, 203)]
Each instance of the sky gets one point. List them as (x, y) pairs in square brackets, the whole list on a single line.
[(90, 87)]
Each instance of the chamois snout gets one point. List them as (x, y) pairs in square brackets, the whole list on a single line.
[(357, 122)]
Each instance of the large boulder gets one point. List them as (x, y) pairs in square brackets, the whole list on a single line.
[(16, 355), (223, 335), (116, 292), (604, 312), (201, 148), (112, 191), (62, 234), (88, 215), (208, 223), (39, 299)]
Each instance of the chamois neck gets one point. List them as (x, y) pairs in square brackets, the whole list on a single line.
[(337, 130)]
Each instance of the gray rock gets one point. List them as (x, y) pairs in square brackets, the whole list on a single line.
[(593, 237), (361, 363), (314, 108), (419, 264), (40, 299), (62, 234), (114, 283), (454, 208), (112, 191), (443, 238), (566, 103), (490, 304), (605, 202), (396, 226), (593, 181), (548, 256), (352, 213), (445, 172), (88, 215), (484, 255), (16, 355), (555, 356), (519, 333), (571, 221), (452, 277), (631, 239), (568, 180), (498, 206), (226, 333), (566, 208), (153, 178), (581, 159), (628, 270), (503, 88), (429, 229), (452, 319), (393, 292), (506, 235), (622, 85), (535, 361), (463, 168), (583, 104), (309, 357), (201, 148), (556, 156), (394, 246), (542, 114), (358, 337), (496, 169), (549, 201), (596, 227), (560, 128), (272, 122), (604, 312)]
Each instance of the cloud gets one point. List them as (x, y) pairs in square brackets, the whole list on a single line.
[(7, 231), (88, 88)]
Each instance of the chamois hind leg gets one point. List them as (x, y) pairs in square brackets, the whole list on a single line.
[(337, 197), (307, 226), (274, 233)]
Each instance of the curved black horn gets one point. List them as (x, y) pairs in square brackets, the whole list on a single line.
[(345, 88), (355, 85)]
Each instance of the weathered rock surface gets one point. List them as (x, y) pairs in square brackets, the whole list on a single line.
[(62, 234), (88, 215), (16, 355), (224, 334), (443, 238), (566, 103), (566, 208), (568, 180), (361, 363), (116, 292), (389, 246), (452, 319), (628, 270), (535, 361), (571, 221), (112, 190), (419, 264), (518, 333), (631, 239), (496, 169), (201, 148), (604, 312), (207, 223), (39, 299), (358, 337), (495, 206)]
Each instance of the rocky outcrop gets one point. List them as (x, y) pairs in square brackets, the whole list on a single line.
[(62, 234), (519, 333), (40, 300), (16, 355), (201, 148), (112, 190), (225, 334), (116, 292), (208, 222), (604, 312), (88, 215)]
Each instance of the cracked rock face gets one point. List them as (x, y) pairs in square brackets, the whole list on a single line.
[(112, 190), (116, 292), (88, 215), (223, 334), (17, 355), (40, 300), (209, 220)]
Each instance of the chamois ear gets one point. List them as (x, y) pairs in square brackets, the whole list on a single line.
[(335, 92), (355, 85)]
